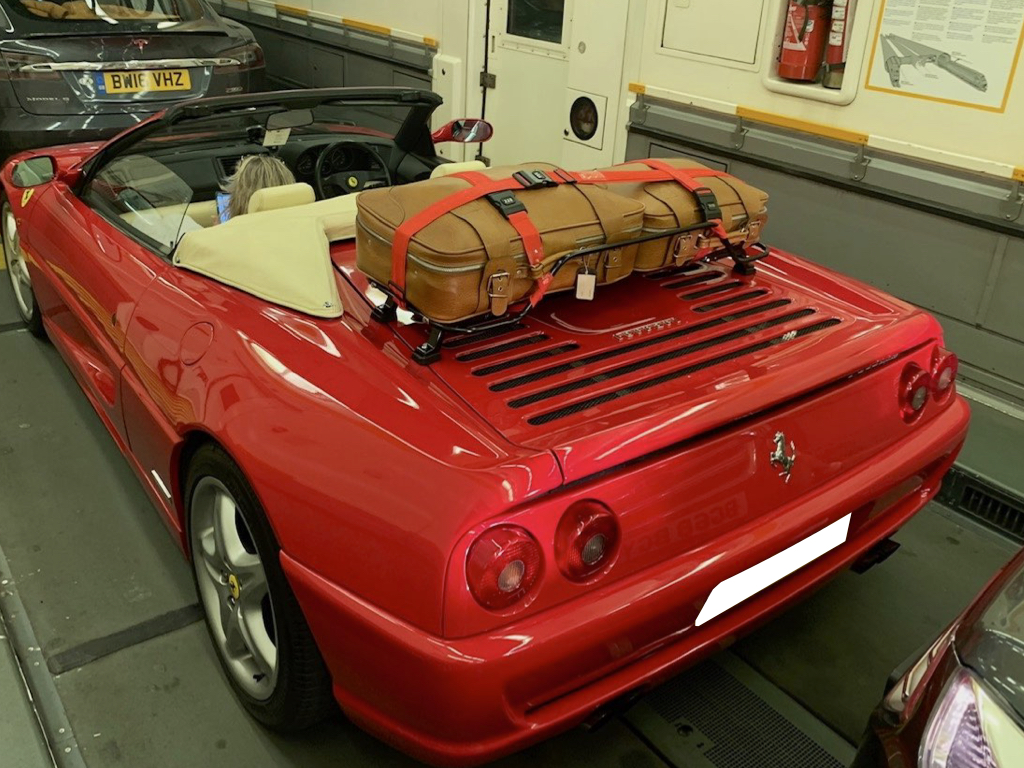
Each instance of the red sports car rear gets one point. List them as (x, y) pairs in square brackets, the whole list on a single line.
[(480, 552), (723, 445)]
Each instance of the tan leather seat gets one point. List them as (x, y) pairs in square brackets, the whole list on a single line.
[(281, 256), (447, 169), (287, 196)]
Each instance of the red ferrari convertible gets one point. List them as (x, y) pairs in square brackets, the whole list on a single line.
[(472, 555)]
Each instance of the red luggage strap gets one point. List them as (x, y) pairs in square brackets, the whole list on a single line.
[(705, 197), (500, 193)]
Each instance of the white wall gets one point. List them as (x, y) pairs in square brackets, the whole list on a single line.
[(718, 54), (965, 137)]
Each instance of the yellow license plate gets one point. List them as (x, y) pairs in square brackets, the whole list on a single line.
[(146, 81)]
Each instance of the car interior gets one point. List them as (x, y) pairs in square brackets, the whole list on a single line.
[(167, 185)]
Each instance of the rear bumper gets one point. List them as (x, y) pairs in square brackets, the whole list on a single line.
[(466, 701)]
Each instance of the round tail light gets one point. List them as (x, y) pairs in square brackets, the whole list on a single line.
[(944, 369), (504, 564), (915, 387), (586, 540)]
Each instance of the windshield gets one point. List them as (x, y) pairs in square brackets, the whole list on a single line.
[(249, 126), (106, 14)]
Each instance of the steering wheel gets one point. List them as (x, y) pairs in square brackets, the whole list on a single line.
[(346, 182)]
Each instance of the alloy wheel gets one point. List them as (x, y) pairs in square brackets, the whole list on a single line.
[(234, 589), (17, 268)]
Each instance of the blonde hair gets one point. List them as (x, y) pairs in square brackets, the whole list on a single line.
[(255, 172)]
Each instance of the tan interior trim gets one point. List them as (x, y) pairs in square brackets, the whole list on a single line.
[(281, 256)]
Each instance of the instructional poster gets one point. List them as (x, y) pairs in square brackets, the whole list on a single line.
[(955, 51)]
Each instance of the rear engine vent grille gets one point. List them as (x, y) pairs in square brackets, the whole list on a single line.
[(516, 362), (626, 349), (474, 338), (662, 274), (498, 349), (731, 300), (715, 289), (632, 389), (695, 280)]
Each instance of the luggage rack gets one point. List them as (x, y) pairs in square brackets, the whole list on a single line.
[(744, 258)]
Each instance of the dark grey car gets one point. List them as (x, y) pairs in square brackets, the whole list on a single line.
[(86, 69)]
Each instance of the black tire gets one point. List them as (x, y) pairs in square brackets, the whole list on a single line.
[(302, 694), (33, 320)]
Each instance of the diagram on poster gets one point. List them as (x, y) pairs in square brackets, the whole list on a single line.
[(962, 51)]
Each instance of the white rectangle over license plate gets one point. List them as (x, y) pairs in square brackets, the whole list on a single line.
[(734, 590)]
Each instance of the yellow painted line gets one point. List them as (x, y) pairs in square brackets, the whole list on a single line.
[(806, 126), (637, 88), (367, 26), (291, 10), (1018, 174), (431, 42)]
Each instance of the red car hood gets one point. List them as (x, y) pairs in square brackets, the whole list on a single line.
[(655, 361)]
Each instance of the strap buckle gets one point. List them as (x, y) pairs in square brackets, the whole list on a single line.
[(507, 203), (708, 204), (535, 179)]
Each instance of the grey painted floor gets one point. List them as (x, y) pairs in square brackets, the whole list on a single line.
[(90, 558)]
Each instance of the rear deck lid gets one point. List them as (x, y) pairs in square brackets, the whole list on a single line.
[(659, 359)]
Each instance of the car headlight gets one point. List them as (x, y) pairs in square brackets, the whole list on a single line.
[(970, 729)]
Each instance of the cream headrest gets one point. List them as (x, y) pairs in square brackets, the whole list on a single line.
[(288, 196), (447, 169)]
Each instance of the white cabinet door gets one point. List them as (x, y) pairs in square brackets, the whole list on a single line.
[(723, 29)]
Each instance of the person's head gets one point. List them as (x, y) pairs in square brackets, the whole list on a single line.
[(254, 173)]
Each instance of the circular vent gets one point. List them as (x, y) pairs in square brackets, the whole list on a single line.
[(583, 118)]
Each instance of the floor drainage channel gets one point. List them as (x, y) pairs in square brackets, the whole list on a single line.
[(723, 714), (53, 719)]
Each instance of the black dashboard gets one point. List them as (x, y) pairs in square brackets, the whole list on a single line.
[(206, 169)]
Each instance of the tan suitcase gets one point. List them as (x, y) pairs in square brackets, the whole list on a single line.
[(457, 257), (669, 205)]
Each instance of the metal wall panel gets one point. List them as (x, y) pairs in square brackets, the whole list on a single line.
[(908, 253), (303, 54), (328, 67), (1005, 313), (969, 276)]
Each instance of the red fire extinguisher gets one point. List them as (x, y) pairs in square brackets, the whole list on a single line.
[(838, 42), (803, 42)]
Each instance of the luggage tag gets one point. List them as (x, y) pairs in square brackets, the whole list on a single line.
[(586, 284)]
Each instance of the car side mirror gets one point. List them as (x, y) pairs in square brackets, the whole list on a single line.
[(466, 131), (34, 171)]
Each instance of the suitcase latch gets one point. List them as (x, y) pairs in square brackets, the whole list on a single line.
[(506, 203)]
